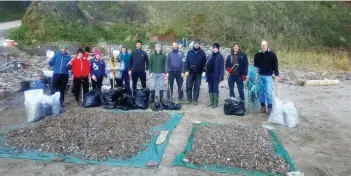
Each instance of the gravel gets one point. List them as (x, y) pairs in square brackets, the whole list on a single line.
[(236, 146), (88, 134)]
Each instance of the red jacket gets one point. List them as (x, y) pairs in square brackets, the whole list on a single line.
[(80, 67)]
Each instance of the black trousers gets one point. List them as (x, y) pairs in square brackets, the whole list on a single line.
[(118, 82), (138, 75), (175, 75), (193, 83), (98, 83), (59, 83), (78, 83)]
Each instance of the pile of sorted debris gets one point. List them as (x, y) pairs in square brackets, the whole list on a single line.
[(88, 134), (237, 147)]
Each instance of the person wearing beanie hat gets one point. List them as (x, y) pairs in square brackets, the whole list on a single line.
[(81, 70), (138, 65), (157, 72), (97, 70), (193, 70), (114, 69), (87, 53), (125, 57), (60, 62), (237, 67), (174, 68), (214, 74)]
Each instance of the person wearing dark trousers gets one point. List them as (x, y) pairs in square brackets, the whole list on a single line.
[(214, 74), (194, 70), (125, 57), (157, 72), (139, 63), (81, 70), (97, 70), (60, 78), (174, 68), (237, 67), (267, 63)]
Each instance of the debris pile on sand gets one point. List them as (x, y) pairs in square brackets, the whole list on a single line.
[(236, 146), (88, 134)]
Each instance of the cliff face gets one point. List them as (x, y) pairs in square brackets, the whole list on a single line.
[(288, 24)]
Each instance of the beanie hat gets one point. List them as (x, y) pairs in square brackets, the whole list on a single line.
[(124, 47), (216, 45), (158, 46), (196, 41), (63, 46), (115, 52), (87, 49), (80, 50), (97, 52)]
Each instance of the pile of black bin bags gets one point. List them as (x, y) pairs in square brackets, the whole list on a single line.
[(117, 98), (234, 106)]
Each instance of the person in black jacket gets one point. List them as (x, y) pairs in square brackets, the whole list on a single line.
[(267, 63), (139, 63), (214, 74), (193, 69), (237, 67)]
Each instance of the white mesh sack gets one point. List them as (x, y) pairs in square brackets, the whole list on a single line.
[(277, 114), (290, 114)]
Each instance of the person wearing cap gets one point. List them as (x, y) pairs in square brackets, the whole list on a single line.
[(214, 74), (267, 63), (193, 70), (97, 70), (174, 68), (60, 75), (237, 67), (157, 72), (125, 57), (139, 63), (81, 71)]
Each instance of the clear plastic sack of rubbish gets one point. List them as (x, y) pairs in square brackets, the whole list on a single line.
[(50, 53), (56, 104), (277, 114), (29, 95), (290, 114)]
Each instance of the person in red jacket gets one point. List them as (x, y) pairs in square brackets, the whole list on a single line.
[(81, 70)]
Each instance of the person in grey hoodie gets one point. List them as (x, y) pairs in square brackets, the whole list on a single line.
[(174, 68)]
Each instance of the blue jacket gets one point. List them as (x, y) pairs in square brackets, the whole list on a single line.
[(97, 68), (174, 61), (195, 61), (218, 67), (126, 59), (242, 61), (59, 61)]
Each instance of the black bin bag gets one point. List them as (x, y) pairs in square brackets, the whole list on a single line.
[(142, 98), (92, 99), (234, 107)]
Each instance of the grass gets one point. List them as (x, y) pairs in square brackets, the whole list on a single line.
[(315, 60)]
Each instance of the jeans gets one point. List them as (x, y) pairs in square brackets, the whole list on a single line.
[(136, 76), (126, 79), (77, 83), (213, 83), (177, 75), (240, 84), (193, 83), (59, 83), (157, 81), (98, 83), (266, 91)]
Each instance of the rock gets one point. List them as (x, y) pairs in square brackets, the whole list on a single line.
[(151, 164), (196, 122), (58, 160), (185, 160), (298, 74), (161, 137)]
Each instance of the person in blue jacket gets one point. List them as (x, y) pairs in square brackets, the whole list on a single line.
[(125, 57), (214, 74), (194, 69), (97, 70), (60, 62)]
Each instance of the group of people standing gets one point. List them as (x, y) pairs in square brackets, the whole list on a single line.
[(174, 66)]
